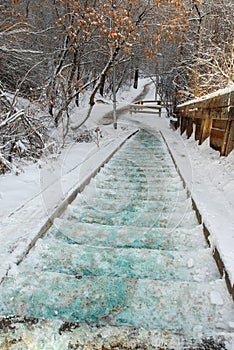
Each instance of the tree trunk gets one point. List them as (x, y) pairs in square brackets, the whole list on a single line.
[(102, 85), (97, 86), (136, 78)]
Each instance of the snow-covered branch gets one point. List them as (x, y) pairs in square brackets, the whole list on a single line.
[(7, 164), (12, 118), (12, 49)]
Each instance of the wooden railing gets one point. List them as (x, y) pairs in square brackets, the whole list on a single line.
[(146, 106), (213, 117)]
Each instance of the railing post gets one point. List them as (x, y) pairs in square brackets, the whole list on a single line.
[(114, 98), (183, 125), (205, 130), (189, 129), (228, 140)]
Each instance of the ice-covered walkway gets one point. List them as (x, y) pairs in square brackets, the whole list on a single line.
[(127, 253), (206, 176)]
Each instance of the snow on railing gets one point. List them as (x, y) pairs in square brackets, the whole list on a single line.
[(213, 116), (146, 106)]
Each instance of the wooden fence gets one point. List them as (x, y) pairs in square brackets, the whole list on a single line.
[(213, 117), (146, 106)]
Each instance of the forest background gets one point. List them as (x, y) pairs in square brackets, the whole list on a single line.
[(55, 52)]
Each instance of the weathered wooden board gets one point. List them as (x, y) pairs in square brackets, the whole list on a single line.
[(206, 125), (146, 106), (198, 129), (183, 125), (189, 129), (230, 140), (213, 117), (217, 134)]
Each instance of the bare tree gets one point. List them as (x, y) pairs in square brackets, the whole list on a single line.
[(52, 51), (205, 57), (104, 34)]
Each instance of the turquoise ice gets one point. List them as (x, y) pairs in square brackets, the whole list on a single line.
[(128, 252)]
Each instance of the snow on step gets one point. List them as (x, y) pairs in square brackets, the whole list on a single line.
[(66, 335), (128, 236), (134, 218), (136, 168), (53, 255), (129, 173), (150, 304), (139, 186), (140, 171), (114, 205), (92, 191), (151, 178)]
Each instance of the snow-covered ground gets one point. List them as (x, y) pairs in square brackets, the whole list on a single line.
[(30, 200)]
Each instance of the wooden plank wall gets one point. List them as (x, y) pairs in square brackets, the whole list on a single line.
[(213, 117)]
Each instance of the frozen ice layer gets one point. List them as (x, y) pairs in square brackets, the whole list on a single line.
[(54, 256), (128, 257), (137, 205), (117, 301), (139, 217), (128, 236)]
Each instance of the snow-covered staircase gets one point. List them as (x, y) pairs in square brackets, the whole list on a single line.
[(128, 253)]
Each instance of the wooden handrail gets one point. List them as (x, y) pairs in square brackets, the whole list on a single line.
[(140, 106), (147, 101), (213, 116)]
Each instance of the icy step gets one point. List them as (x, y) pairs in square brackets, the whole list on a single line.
[(142, 153), (142, 157), (157, 152), (124, 178), (134, 218), (137, 147), (129, 236), (51, 255), (145, 156), (150, 172), (64, 335), (157, 149), (150, 166), (144, 137), (140, 186), (114, 205), (134, 176), (139, 144), (149, 194), (185, 306)]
